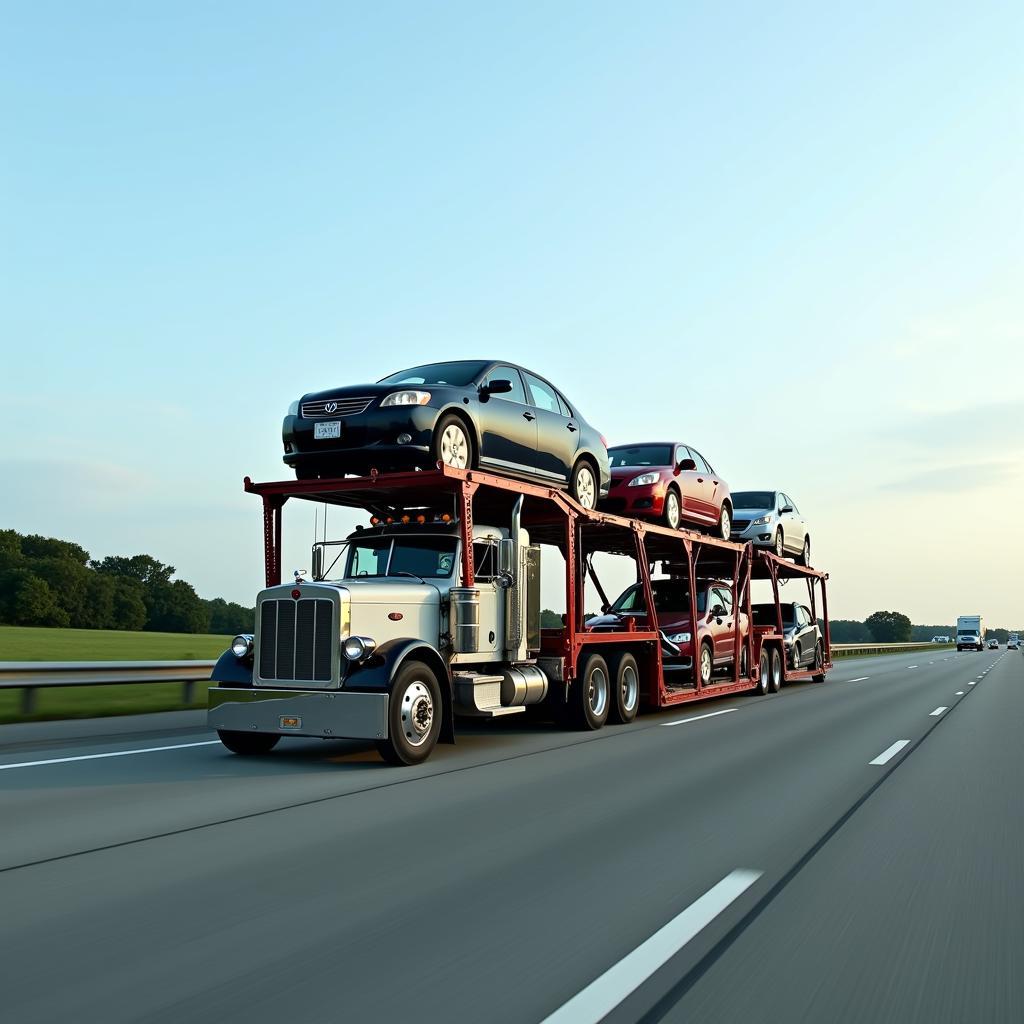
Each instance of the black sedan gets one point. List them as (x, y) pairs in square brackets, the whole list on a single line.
[(801, 635), (470, 413)]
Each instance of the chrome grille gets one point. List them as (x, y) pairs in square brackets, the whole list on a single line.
[(297, 640), (342, 407)]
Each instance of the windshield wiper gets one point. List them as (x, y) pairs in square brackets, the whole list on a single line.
[(412, 574)]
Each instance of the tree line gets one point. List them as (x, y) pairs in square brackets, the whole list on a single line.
[(50, 582)]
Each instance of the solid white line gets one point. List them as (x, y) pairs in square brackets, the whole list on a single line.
[(859, 679), (937, 711), (113, 753), (890, 752), (603, 994), (697, 718)]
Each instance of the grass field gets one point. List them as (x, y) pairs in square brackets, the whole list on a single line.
[(23, 643)]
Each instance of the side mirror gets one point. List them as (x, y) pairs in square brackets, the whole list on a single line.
[(497, 387), (504, 581), (686, 466), (785, 509), (718, 611), (318, 562)]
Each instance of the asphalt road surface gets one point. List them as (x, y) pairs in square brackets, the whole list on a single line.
[(852, 851)]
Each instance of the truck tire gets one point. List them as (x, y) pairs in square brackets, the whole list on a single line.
[(625, 677), (591, 695), (415, 712), (453, 443), (776, 680), (248, 742), (819, 663), (766, 672)]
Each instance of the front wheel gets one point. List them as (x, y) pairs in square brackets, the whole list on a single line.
[(583, 485), (246, 743), (804, 558), (725, 523), (707, 663), (452, 443), (414, 716), (673, 514), (780, 543)]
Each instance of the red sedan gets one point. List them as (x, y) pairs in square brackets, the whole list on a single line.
[(669, 482)]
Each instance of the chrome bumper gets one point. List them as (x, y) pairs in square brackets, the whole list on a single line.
[(361, 716)]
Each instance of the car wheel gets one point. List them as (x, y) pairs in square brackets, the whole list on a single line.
[(804, 558), (672, 512), (765, 674), (724, 523), (592, 699), (583, 484), (819, 663), (414, 715), (625, 675), (248, 742), (302, 473), (776, 681), (707, 663), (452, 443), (780, 543), (744, 662)]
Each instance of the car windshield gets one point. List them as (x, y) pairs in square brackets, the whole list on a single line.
[(426, 557), (670, 595), (459, 374), (753, 499), (641, 455)]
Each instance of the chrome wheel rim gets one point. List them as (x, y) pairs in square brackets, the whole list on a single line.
[(726, 523), (780, 545), (597, 692), (807, 552), (776, 674), (705, 665), (630, 688), (586, 488), (417, 713), (766, 674), (454, 447), (672, 515)]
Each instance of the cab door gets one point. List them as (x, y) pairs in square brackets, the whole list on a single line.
[(508, 425)]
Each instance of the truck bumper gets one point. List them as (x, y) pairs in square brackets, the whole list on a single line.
[(334, 715)]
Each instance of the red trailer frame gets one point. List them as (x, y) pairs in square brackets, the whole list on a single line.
[(552, 517)]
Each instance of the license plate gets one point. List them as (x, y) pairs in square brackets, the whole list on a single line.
[(290, 722), (324, 431)]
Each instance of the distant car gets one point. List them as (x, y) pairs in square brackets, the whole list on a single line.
[(801, 635), (941, 640), (470, 413), (770, 519), (716, 625), (1013, 644), (993, 645), (669, 482)]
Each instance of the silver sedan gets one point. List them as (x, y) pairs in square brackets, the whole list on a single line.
[(770, 519)]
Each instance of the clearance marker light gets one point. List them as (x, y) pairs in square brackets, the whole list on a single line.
[(421, 519), (374, 520)]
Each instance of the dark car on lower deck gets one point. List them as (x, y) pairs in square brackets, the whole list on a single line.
[(471, 413)]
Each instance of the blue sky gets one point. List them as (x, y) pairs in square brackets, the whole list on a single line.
[(790, 235)]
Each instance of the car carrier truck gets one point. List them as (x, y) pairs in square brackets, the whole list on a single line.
[(432, 611)]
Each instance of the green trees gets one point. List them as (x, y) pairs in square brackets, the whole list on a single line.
[(50, 582), (889, 627)]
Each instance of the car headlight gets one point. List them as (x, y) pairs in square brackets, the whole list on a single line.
[(293, 409), (681, 638), (405, 398), (355, 648), (761, 521), (643, 479), (241, 646)]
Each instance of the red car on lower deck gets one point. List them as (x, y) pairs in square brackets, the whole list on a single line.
[(671, 483)]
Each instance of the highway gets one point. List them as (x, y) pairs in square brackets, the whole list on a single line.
[(850, 851)]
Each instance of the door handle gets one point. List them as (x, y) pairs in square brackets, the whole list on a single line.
[(529, 416), (571, 426)]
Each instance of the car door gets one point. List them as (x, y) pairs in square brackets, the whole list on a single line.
[(707, 488), (792, 528), (799, 527), (691, 485), (723, 634), (805, 636), (558, 433), (508, 425)]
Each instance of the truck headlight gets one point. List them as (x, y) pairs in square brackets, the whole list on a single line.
[(241, 646), (681, 638), (355, 648), (643, 479), (405, 398), (761, 521)]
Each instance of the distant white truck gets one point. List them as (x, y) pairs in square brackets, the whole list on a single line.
[(969, 633)]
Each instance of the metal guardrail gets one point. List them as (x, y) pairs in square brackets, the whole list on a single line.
[(851, 650), (31, 676)]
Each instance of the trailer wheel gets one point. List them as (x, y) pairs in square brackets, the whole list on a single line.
[(804, 558), (707, 663), (819, 663), (248, 742), (453, 444), (625, 676), (766, 672), (592, 697), (776, 681), (672, 512), (414, 715)]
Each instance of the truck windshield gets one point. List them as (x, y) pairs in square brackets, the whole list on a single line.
[(426, 557)]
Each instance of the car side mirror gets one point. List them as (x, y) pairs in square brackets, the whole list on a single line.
[(686, 466), (785, 509), (497, 387), (718, 611)]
